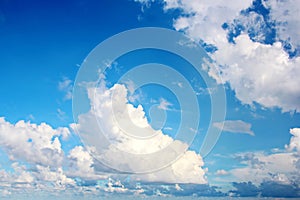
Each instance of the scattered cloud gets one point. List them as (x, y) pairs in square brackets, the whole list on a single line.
[(234, 126), (61, 114), (66, 86), (281, 167), (179, 84), (168, 128), (221, 172), (164, 104)]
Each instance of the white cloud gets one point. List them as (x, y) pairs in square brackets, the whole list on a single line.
[(164, 104), (56, 177), (257, 72), (234, 126), (179, 84), (221, 172), (132, 141), (66, 86), (61, 114), (280, 166), (206, 18), (81, 164), (295, 140), (187, 169), (32, 143), (260, 73), (285, 13)]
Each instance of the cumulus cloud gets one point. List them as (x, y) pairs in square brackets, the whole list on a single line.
[(38, 144), (234, 126), (81, 164), (295, 140), (260, 73), (132, 144), (257, 67)]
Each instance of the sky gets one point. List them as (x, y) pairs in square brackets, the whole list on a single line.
[(149, 98)]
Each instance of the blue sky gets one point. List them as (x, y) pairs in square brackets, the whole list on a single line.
[(254, 46)]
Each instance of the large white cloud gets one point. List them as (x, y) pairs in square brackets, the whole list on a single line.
[(261, 73), (38, 147), (257, 72), (127, 131)]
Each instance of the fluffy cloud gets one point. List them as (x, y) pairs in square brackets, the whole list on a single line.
[(37, 144), (259, 69), (260, 73), (81, 164), (234, 126), (295, 140), (129, 143)]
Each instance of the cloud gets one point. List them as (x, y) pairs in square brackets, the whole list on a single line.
[(81, 164), (295, 140), (164, 104), (254, 51), (234, 126), (245, 189), (285, 14), (253, 69), (275, 189), (279, 167), (221, 172), (195, 190), (32, 143), (66, 86), (131, 139), (265, 189)]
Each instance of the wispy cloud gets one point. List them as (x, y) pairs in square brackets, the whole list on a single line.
[(221, 172), (234, 126), (66, 86), (164, 104)]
